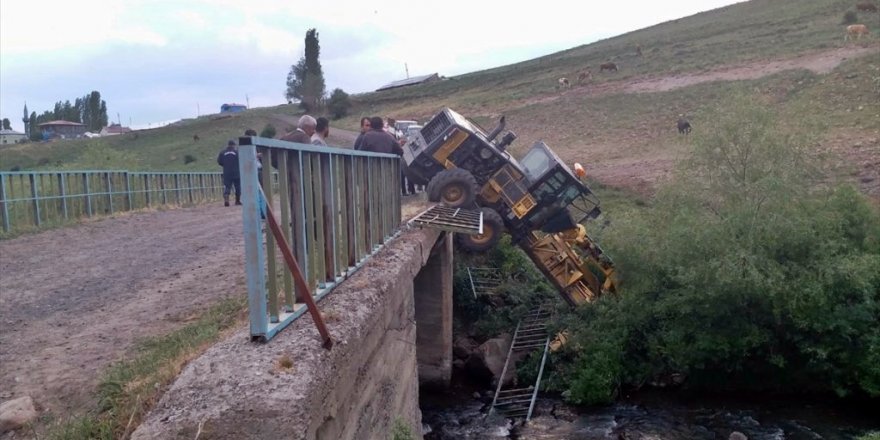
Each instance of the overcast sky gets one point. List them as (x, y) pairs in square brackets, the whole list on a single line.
[(156, 61)]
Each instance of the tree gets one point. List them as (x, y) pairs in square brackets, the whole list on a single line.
[(34, 133), (268, 131), (339, 103), (6, 124), (305, 82)]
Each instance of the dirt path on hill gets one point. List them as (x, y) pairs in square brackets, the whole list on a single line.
[(73, 300)]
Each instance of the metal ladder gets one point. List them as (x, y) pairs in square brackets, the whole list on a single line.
[(531, 334)]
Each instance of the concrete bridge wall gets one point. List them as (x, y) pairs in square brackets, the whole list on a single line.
[(357, 390)]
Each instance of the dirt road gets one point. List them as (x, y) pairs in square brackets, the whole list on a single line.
[(73, 300)]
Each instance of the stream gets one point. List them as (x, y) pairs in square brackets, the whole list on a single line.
[(655, 415)]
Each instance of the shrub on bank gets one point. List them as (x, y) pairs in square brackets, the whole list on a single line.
[(744, 274)]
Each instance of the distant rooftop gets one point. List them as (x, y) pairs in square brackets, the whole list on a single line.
[(59, 122), (409, 81), (11, 132)]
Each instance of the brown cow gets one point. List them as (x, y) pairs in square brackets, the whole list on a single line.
[(607, 66), (866, 7), (639, 49), (196, 138), (564, 83), (855, 30), (585, 76)]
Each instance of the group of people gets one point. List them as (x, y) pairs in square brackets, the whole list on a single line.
[(375, 136)]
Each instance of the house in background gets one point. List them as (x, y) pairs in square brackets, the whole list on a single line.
[(114, 129), (410, 81), (232, 108), (11, 137), (62, 129)]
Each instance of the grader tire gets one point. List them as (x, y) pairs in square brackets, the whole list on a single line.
[(493, 228), (455, 188)]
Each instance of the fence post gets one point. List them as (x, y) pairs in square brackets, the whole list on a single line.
[(109, 192), (87, 194), (162, 188), (149, 197), (4, 210), (189, 179), (128, 191), (270, 249), (62, 188), (253, 242), (177, 187), (35, 194), (284, 196)]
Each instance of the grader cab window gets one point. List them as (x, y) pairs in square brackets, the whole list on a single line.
[(536, 163)]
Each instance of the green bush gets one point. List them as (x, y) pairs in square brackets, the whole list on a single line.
[(744, 274), (401, 431), (268, 131), (188, 159), (339, 104), (850, 17)]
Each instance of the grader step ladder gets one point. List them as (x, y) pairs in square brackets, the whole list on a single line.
[(530, 335)]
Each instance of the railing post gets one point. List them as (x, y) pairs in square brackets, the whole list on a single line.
[(284, 196), (329, 215), (270, 246), (4, 210), (87, 194), (177, 187), (128, 197), (109, 192), (62, 188), (36, 196), (163, 189), (189, 180), (149, 197), (253, 242)]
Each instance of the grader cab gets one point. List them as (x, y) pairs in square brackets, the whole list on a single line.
[(538, 200)]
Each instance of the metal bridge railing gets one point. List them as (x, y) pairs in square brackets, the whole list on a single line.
[(33, 199), (337, 207)]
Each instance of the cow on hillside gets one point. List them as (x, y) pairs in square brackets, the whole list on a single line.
[(684, 127), (609, 66), (585, 76), (563, 83), (855, 30), (866, 7)]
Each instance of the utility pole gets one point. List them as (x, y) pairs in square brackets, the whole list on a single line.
[(407, 70), (247, 100), (118, 119), (198, 111)]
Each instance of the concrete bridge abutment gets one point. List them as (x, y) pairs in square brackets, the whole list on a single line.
[(432, 290)]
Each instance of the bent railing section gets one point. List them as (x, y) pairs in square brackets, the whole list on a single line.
[(33, 199), (336, 207)]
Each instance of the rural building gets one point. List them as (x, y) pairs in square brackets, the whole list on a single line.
[(114, 129), (62, 129), (11, 137), (410, 81), (232, 108)]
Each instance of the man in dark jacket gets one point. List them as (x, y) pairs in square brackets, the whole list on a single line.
[(228, 159), (378, 140), (365, 127)]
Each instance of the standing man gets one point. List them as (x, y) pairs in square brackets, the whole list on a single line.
[(228, 159), (322, 130), (305, 128), (365, 127), (378, 140)]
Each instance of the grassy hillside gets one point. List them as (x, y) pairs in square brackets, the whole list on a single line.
[(624, 138)]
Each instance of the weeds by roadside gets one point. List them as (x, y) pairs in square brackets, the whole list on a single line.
[(131, 387)]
